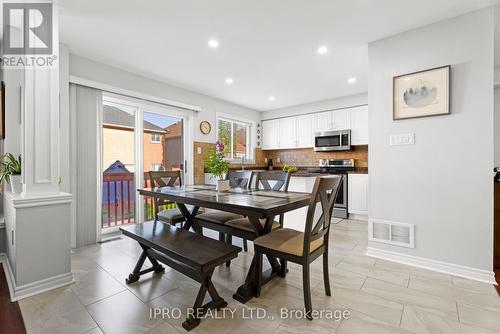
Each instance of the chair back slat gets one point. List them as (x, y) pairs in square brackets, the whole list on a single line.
[(324, 193), (281, 179), (165, 178), (240, 178)]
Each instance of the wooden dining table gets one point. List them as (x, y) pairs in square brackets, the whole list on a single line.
[(258, 205)]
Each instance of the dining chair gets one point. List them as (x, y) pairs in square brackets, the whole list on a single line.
[(266, 180), (215, 218), (303, 247), (166, 179)]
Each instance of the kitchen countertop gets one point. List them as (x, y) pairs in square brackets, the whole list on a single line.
[(303, 171)]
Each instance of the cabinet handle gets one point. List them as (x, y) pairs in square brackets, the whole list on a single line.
[(12, 239)]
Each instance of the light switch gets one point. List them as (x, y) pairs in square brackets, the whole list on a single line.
[(198, 150), (402, 139)]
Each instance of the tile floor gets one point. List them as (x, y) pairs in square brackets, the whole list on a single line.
[(381, 296)]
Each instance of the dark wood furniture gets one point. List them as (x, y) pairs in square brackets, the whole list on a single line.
[(213, 219), (189, 253), (166, 179), (303, 247), (253, 203), (266, 180)]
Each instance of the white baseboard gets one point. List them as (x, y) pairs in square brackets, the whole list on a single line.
[(357, 216), (435, 265), (34, 288)]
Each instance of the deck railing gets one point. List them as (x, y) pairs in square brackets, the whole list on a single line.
[(118, 200)]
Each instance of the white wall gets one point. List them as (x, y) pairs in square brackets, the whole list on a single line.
[(443, 184), (91, 70), (337, 103)]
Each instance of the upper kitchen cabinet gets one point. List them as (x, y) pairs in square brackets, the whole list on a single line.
[(287, 132), (305, 136), (323, 121), (270, 134), (332, 120), (359, 125)]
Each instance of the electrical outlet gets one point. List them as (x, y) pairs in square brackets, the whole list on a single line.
[(198, 150), (278, 160), (402, 139)]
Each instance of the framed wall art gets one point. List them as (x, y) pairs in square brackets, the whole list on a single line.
[(422, 94)]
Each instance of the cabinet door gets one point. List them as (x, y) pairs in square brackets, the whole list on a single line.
[(357, 193), (305, 136), (359, 125), (341, 119), (323, 121), (270, 134), (287, 132)]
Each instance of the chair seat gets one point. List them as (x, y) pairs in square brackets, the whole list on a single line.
[(287, 241), (245, 224), (218, 217), (171, 216)]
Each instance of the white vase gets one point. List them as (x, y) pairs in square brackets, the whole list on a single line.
[(15, 184), (223, 185)]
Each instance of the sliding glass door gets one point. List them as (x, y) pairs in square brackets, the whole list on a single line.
[(137, 138)]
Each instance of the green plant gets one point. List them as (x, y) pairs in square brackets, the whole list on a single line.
[(215, 162), (290, 169), (10, 166)]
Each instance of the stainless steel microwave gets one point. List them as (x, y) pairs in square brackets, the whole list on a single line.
[(332, 140)]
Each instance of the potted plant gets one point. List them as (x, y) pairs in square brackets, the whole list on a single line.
[(11, 172), (218, 166)]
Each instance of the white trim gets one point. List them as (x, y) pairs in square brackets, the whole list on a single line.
[(480, 275), (126, 92), (34, 288), (357, 216), (34, 200)]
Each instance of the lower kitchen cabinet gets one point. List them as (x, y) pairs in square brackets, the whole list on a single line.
[(357, 201)]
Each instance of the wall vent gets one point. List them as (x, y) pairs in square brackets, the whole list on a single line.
[(398, 234)]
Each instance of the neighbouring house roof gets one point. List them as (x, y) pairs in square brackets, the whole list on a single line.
[(117, 167), (174, 130), (114, 116)]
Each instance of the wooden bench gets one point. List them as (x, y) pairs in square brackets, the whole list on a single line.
[(189, 253)]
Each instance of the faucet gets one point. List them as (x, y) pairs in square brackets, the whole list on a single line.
[(243, 159)]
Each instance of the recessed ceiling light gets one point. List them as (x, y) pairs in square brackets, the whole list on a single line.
[(213, 43), (322, 50), (272, 98), (229, 81), (351, 80)]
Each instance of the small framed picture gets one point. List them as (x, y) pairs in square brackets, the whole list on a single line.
[(2, 110), (422, 94)]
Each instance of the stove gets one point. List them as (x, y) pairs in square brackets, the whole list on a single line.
[(339, 167)]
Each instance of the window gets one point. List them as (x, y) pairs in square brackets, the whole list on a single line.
[(155, 138), (235, 135)]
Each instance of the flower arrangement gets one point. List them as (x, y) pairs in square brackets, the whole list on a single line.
[(215, 162)]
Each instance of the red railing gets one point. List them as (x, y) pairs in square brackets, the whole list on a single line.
[(118, 199)]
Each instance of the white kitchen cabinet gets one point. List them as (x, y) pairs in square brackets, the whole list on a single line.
[(357, 193), (304, 135), (359, 125), (341, 119), (296, 219), (288, 132), (323, 121), (270, 134), (332, 120)]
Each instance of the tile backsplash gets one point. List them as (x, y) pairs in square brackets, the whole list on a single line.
[(305, 157)]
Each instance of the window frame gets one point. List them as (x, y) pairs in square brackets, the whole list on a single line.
[(154, 141), (249, 125)]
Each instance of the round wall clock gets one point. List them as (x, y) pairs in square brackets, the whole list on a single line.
[(205, 127)]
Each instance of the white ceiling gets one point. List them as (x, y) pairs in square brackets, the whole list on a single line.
[(268, 47)]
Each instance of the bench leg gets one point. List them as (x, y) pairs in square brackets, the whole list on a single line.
[(137, 272), (199, 309)]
